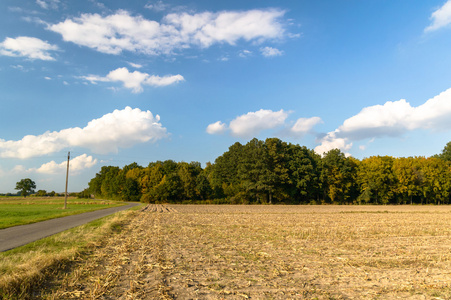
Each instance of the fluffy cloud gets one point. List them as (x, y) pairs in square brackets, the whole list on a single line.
[(135, 80), (269, 52), (123, 32), (305, 125), (331, 141), (216, 128), (390, 120), (252, 123), (119, 129), (76, 164), (30, 47), (441, 17)]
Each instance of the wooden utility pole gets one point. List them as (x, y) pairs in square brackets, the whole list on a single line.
[(67, 179)]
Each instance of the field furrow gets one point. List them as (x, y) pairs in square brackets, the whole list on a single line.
[(261, 252)]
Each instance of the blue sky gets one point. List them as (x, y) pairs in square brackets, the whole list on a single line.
[(117, 82)]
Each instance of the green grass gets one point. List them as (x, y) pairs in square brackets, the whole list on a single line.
[(21, 211)]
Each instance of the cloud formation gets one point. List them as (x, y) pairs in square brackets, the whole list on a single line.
[(251, 124), (269, 52), (216, 128), (441, 17), (29, 47), (119, 129), (157, 6), (331, 141), (121, 31), (76, 164), (390, 120), (48, 4), (304, 125), (134, 80)]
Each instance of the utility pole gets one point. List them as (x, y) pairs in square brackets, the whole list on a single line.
[(67, 179)]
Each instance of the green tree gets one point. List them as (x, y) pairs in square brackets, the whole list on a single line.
[(26, 186), (446, 153), (337, 176), (187, 174), (409, 178), (277, 174), (376, 174), (41, 193), (95, 184), (152, 176), (253, 172), (112, 183), (131, 190), (304, 172), (224, 173), (203, 187), (436, 180)]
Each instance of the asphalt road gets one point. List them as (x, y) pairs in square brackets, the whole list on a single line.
[(16, 236)]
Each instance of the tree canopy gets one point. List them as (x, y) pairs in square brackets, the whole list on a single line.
[(26, 186), (273, 171)]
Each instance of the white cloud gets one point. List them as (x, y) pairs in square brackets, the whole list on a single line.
[(252, 123), (269, 52), (163, 81), (48, 4), (392, 119), (18, 67), (135, 80), (157, 6), (216, 128), (123, 32), (305, 125), (228, 26), (441, 17), (245, 53), (119, 129), (76, 164), (30, 47), (18, 169), (330, 142), (136, 66)]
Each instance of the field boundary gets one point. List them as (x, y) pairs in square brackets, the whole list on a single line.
[(16, 236)]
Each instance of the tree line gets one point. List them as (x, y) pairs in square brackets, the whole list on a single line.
[(273, 171)]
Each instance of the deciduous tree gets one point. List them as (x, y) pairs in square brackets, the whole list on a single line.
[(26, 186)]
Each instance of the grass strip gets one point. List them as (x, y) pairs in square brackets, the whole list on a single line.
[(24, 270), (32, 210)]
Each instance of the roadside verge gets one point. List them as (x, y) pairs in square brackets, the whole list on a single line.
[(16, 236)]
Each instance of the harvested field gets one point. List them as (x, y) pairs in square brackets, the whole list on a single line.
[(269, 252)]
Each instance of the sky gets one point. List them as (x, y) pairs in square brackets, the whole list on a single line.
[(117, 82)]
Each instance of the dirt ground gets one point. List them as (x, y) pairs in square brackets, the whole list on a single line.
[(269, 252)]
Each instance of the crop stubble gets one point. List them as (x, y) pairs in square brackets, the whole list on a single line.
[(270, 252)]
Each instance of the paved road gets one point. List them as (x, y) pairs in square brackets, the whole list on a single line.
[(16, 236)]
